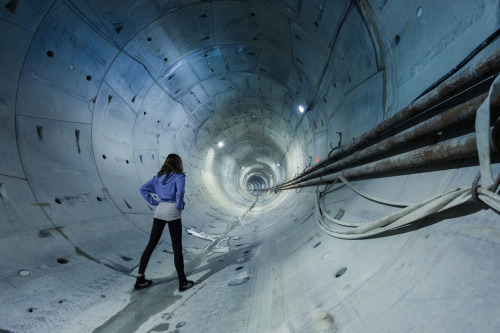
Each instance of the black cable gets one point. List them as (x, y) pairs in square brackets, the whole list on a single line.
[(471, 55)]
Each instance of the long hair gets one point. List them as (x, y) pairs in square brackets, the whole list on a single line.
[(173, 163)]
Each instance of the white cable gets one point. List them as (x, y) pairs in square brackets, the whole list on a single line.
[(327, 215), (331, 218), (483, 135), (431, 205), (363, 194), (490, 198), (394, 220), (373, 198)]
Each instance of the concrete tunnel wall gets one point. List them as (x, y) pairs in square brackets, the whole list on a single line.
[(95, 94)]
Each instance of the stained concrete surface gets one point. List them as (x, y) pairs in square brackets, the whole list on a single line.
[(95, 94)]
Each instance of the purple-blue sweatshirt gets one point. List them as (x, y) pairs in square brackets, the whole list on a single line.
[(168, 189)]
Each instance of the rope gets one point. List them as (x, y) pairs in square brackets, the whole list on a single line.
[(434, 204)]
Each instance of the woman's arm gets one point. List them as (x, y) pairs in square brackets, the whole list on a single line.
[(146, 191), (179, 195)]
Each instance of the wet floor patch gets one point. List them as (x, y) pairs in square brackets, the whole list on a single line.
[(146, 303), (143, 304), (160, 328)]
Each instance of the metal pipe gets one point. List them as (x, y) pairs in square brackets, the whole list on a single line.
[(470, 76), (453, 149), (460, 113)]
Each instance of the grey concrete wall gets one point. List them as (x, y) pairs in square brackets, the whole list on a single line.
[(95, 94)]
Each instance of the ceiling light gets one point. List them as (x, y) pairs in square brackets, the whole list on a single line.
[(220, 144), (278, 164), (301, 109)]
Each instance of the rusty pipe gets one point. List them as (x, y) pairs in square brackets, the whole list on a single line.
[(463, 112), (470, 76), (453, 149)]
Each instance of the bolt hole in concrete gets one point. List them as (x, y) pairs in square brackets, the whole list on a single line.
[(99, 199), (44, 234), (419, 11), (50, 54), (89, 77), (104, 156), (340, 272), (61, 301), (31, 309), (24, 272), (238, 268), (397, 39), (62, 261), (317, 244), (58, 201)]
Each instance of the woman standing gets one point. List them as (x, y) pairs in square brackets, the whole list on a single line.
[(168, 185)]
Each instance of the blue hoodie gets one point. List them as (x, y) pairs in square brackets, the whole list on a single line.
[(168, 189)]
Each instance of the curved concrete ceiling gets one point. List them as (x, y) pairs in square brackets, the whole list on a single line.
[(95, 94)]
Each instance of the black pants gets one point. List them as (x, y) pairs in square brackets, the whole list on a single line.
[(175, 228)]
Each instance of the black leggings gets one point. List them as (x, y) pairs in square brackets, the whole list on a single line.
[(175, 228)]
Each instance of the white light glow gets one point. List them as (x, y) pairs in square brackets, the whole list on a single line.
[(220, 144), (301, 109), (278, 164)]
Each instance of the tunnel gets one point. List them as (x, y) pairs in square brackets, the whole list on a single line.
[(276, 108)]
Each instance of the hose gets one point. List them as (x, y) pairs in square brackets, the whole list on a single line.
[(434, 204), (373, 198)]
